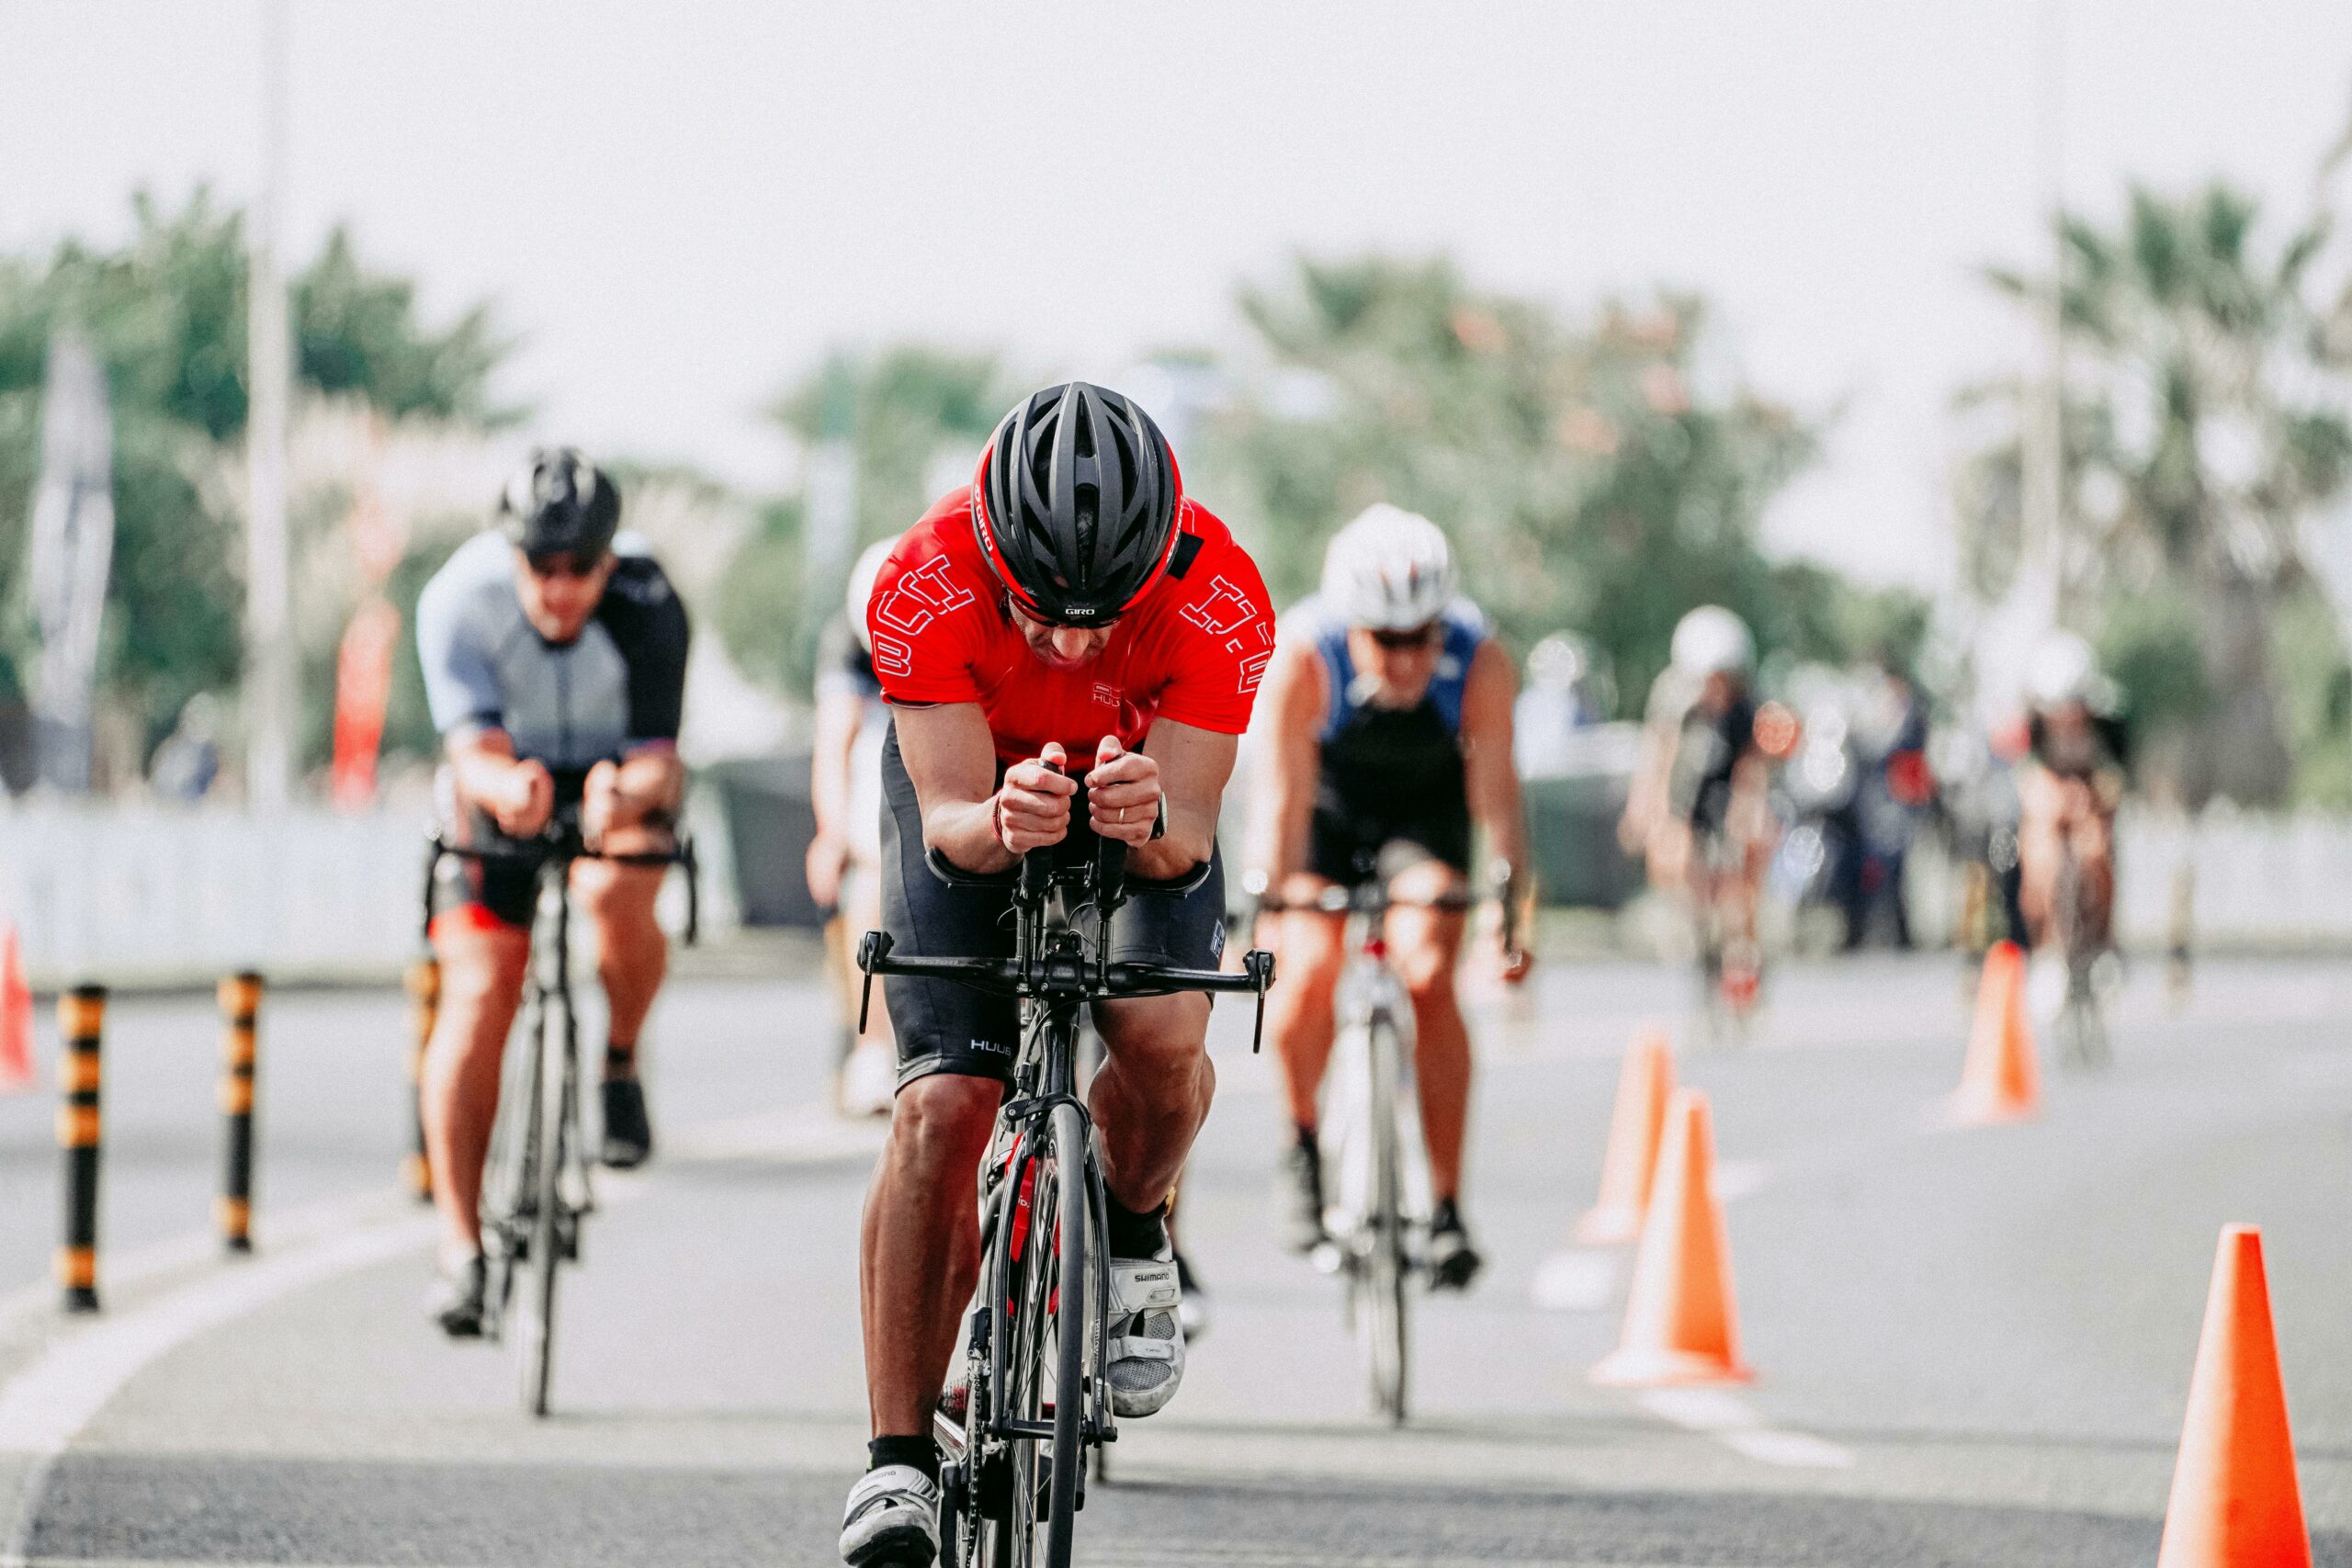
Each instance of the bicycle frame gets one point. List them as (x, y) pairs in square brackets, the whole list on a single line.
[(1053, 973)]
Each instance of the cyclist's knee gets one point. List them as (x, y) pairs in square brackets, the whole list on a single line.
[(1428, 976), (481, 968), (943, 1121), (1156, 1035), (613, 894)]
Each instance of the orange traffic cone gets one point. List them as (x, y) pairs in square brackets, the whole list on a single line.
[(2001, 1080), (15, 1016), (1635, 1129), (2235, 1499), (1679, 1323)]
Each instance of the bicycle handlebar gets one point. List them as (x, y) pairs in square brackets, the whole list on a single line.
[(560, 841)]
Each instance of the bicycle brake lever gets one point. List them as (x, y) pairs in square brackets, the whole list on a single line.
[(871, 949)]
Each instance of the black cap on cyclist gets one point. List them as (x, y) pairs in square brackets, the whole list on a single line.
[(1075, 504), (560, 502)]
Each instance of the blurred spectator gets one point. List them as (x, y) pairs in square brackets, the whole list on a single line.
[(189, 761), (1567, 690)]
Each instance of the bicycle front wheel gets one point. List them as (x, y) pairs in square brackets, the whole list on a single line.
[(555, 1082), (1072, 1330), (1384, 1319)]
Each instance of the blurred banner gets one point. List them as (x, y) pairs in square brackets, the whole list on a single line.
[(363, 676), (363, 685), (73, 550)]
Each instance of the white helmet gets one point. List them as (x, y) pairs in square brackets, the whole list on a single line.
[(1390, 570), (860, 589), (1711, 640), (2063, 669)]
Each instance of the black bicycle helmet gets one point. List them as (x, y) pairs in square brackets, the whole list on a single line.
[(560, 502), (1075, 504)]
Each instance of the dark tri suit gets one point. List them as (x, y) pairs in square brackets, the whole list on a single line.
[(1391, 787), (618, 688)]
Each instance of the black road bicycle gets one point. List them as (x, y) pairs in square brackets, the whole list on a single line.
[(1035, 1400), (535, 1190)]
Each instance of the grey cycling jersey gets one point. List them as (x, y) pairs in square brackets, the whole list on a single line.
[(618, 686)]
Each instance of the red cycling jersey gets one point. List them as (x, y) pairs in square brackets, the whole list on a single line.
[(1193, 648)]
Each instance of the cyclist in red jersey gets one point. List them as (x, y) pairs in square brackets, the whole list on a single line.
[(1070, 608)]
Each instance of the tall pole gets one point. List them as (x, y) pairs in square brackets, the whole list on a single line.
[(2044, 455), (269, 663)]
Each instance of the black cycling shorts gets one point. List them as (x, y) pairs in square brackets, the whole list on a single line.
[(1354, 850), (499, 892), (944, 1028)]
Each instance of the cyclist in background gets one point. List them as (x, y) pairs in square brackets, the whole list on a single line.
[(1070, 604), (1387, 738), (554, 653), (845, 855), (1697, 811), (2078, 745)]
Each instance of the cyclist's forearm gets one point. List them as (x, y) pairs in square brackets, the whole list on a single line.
[(1190, 839), (965, 831)]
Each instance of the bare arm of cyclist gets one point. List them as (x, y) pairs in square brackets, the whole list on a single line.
[(1291, 706), (838, 715), (951, 760), (1190, 765), (627, 808), (1489, 775), (518, 795), (1645, 794)]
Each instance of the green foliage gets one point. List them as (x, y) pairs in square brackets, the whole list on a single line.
[(902, 408), (358, 332), (906, 411), (758, 612), (2205, 423), (166, 315), (2148, 644), (2316, 698), (1590, 473)]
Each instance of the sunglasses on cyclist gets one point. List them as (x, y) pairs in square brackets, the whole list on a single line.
[(1407, 640), (561, 563), (1036, 619)]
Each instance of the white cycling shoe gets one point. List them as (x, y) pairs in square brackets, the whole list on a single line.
[(1144, 1361), (892, 1519)]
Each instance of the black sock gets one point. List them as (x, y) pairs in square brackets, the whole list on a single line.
[(1307, 1137), (1444, 1217), (922, 1453), (620, 1061), (1133, 1235)]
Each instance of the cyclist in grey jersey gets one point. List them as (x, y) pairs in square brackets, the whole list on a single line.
[(554, 655)]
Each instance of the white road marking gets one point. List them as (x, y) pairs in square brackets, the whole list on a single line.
[(1575, 1279), (1740, 1426), (45, 1406)]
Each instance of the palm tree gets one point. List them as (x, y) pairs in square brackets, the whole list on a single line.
[(2205, 425)]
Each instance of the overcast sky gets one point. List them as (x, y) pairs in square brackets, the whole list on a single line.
[(678, 207)]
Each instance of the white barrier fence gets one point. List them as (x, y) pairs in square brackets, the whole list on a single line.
[(148, 895), (2254, 881), (139, 895)]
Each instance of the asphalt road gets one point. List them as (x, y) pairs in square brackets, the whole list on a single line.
[(1973, 1346)]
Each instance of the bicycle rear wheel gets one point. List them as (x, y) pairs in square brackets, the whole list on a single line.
[(554, 1084)]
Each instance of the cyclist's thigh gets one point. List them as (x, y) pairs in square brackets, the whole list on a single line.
[(483, 962), (941, 1028), (1423, 938)]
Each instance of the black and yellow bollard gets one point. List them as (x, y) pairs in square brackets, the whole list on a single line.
[(80, 1021), (240, 1014), (424, 994)]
